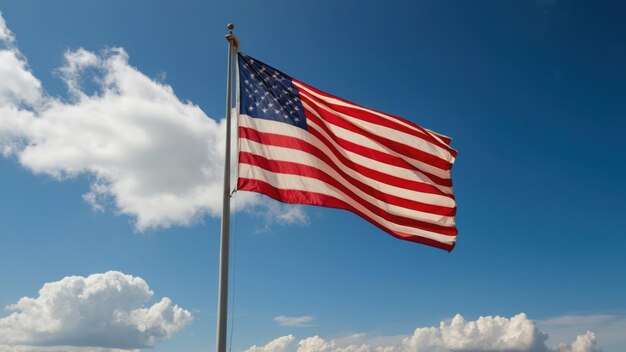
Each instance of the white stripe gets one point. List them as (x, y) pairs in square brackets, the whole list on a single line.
[(307, 184), (311, 160), (388, 133), (270, 126), (368, 143), (303, 158), (377, 113)]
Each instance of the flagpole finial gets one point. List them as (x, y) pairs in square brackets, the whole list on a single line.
[(231, 37)]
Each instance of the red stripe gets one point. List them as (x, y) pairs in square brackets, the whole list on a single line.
[(396, 147), (370, 117), (291, 168), (427, 135), (313, 198), (382, 196), (368, 152), (447, 140), (296, 143)]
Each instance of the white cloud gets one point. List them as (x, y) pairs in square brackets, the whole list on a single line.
[(609, 328), (148, 154), (102, 311), (278, 345), (486, 334), (18, 86), (5, 33), (294, 321), (583, 343)]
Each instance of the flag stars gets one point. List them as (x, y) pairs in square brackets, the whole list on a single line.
[(268, 94)]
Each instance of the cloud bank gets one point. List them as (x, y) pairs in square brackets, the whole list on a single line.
[(99, 311), (148, 154), (486, 334)]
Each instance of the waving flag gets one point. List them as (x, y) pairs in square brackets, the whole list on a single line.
[(301, 145)]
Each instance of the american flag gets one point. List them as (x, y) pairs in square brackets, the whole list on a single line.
[(303, 146)]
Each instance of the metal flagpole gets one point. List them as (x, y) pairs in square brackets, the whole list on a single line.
[(222, 307)]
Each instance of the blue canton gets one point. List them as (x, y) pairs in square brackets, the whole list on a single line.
[(267, 93)]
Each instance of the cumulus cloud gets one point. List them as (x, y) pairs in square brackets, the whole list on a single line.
[(485, 334), (609, 328), (278, 345), (5, 34), (302, 321), (147, 153), (103, 311), (583, 343)]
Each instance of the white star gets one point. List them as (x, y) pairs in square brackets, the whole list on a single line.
[(250, 108), (296, 119), (270, 105), (264, 110), (296, 99), (257, 104), (276, 112), (296, 108)]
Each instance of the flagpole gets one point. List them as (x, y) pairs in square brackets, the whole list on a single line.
[(222, 306)]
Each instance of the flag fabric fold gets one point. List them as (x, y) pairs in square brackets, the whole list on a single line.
[(300, 145)]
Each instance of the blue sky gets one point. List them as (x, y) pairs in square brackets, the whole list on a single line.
[(531, 92)]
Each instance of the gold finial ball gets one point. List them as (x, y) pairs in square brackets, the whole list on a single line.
[(230, 26)]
